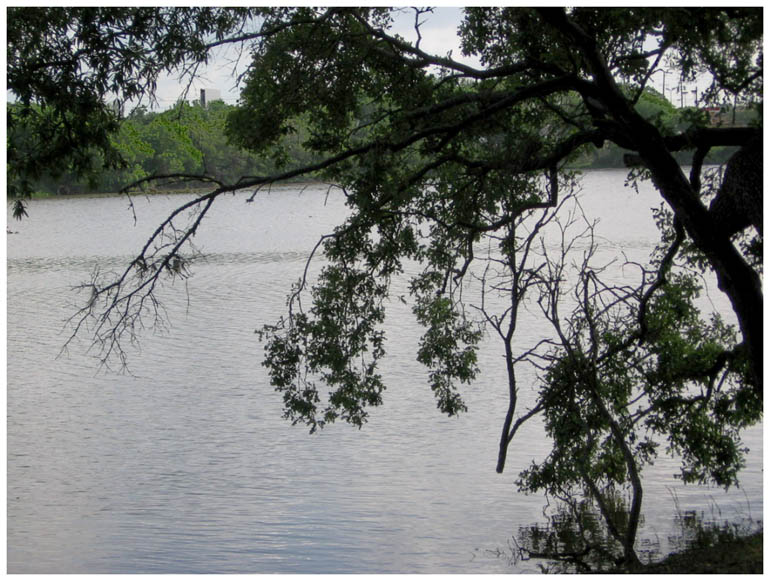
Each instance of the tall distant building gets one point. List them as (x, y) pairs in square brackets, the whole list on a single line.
[(208, 95)]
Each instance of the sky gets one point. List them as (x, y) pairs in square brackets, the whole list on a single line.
[(439, 36)]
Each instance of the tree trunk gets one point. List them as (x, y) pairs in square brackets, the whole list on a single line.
[(735, 276), (738, 204)]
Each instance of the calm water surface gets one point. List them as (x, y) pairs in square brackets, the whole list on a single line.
[(186, 466)]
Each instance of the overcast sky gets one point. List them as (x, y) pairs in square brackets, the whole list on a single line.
[(439, 36)]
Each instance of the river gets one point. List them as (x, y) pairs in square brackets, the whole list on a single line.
[(186, 465)]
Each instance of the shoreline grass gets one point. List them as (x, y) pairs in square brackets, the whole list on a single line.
[(737, 555)]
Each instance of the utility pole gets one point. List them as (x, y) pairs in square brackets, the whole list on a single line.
[(664, 81)]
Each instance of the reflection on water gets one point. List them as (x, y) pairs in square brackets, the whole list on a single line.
[(187, 466), (44, 263)]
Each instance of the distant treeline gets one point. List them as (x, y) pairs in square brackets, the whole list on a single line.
[(191, 139), (653, 106), (187, 139)]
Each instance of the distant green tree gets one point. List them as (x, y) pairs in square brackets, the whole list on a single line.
[(658, 110), (220, 159), (134, 150), (174, 150)]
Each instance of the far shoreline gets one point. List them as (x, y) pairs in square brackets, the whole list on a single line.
[(279, 184), (173, 191)]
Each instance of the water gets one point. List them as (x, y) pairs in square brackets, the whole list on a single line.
[(186, 466)]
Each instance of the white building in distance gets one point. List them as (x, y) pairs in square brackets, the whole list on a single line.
[(208, 95)]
